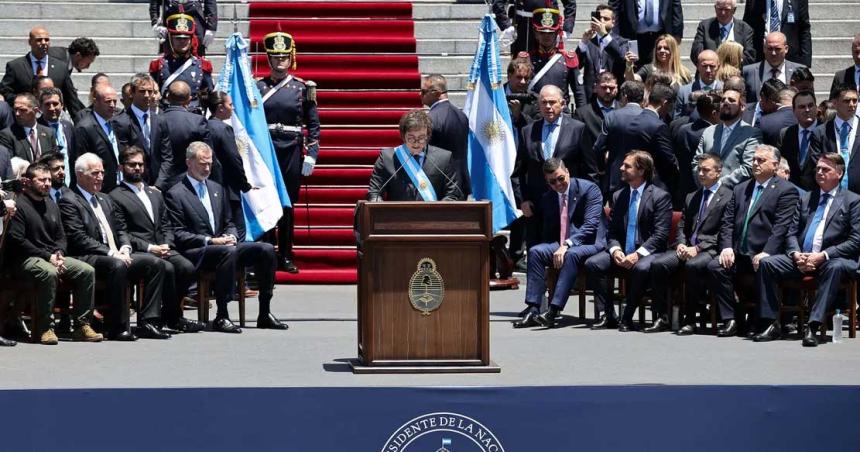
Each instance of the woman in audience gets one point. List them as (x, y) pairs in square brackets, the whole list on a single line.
[(731, 56), (667, 59)]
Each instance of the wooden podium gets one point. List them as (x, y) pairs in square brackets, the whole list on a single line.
[(409, 254)]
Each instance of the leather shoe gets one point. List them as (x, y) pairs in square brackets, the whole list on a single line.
[(770, 333), (270, 322), (548, 318), (809, 339), (7, 342), (661, 324), (150, 331), (187, 326), (687, 330), (224, 325), (729, 329), (626, 326), (122, 336), (605, 323), (529, 320), (286, 265)]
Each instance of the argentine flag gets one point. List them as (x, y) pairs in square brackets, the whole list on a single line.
[(263, 206), (492, 149)]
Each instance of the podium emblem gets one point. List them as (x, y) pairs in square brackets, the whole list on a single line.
[(426, 287)]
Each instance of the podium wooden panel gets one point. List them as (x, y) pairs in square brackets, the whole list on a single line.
[(393, 336)]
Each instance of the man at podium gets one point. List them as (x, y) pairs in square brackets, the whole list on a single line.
[(414, 171)]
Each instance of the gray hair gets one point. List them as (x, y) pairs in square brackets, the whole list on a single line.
[(83, 163), (732, 3), (194, 148), (141, 78), (552, 89), (773, 150), (783, 164)]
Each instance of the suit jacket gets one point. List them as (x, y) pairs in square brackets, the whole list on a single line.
[(753, 75), (626, 12), (90, 136), (789, 145), (708, 38), (844, 77), (772, 124), (15, 139), (400, 188), (73, 103), (68, 130), (606, 146), (770, 220), (232, 172), (18, 78), (824, 141), (841, 237), (706, 228), (5, 164), (683, 107), (83, 233), (592, 116), (654, 219), (613, 61), (184, 128), (142, 230), (7, 116), (572, 147), (129, 130), (189, 218), (686, 141), (584, 211), (798, 33), (737, 153), (451, 132)]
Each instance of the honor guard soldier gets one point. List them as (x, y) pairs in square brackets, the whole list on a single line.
[(204, 12), (513, 18), (290, 104), (180, 62), (552, 64)]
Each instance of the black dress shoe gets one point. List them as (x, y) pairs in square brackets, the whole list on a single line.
[(270, 322), (224, 325), (187, 326), (548, 318), (286, 265), (626, 326), (122, 336), (809, 339), (661, 324), (528, 321), (7, 342), (687, 330), (772, 332), (729, 329), (605, 323), (150, 331)]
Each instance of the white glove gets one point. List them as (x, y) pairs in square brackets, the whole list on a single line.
[(160, 32), (308, 166), (208, 38), (508, 36)]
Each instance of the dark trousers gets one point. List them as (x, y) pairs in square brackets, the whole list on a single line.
[(290, 160), (599, 267), (646, 42), (540, 257), (532, 229), (695, 272), (178, 277), (226, 260), (238, 219), (723, 282), (775, 269), (515, 242)]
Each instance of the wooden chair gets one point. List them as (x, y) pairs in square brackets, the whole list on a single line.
[(807, 286), (204, 289)]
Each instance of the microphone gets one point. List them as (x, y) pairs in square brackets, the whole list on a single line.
[(427, 159), (389, 180)]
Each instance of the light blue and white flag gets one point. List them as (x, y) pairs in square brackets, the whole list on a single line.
[(492, 148), (263, 206)]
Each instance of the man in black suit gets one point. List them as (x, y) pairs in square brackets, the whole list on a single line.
[(634, 240), (630, 97), (772, 124), (51, 102), (755, 225), (694, 247), (554, 135), (645, 24), (20, 72), (450, 125), (27, 139), (5, 164), (706, 80), (95, 133), (98, 236), (592, 115), (515, 20), (722, 28), (795, 141), (137, 125), (686, 142), (80, 54), (600, 50), (849, 76), (184, 128), (791, 19), (141, 208), (840, 135), (204, 233), (824, 243), (774, 66), (768, 98)]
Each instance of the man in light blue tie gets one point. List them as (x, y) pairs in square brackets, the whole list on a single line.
[(94, 132), (839, 135), (51, 104)]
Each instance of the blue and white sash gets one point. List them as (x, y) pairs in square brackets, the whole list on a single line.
[(419, 178)]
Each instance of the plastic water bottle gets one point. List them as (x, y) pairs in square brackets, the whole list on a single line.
[(837, 326)]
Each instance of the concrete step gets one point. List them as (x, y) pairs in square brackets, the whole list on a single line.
[(95, 28), (90, 9)]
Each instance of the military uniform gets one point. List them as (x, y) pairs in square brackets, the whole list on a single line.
[(564, 70), (204, 12), (197, 74), (520, 15), (289, 110)]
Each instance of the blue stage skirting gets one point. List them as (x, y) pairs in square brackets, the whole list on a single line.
[(528, 419)]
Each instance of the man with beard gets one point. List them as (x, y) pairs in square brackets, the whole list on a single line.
[(181, 63), (603, 103), (56, 163)]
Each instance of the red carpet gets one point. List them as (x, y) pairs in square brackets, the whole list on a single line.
[(362, 57)]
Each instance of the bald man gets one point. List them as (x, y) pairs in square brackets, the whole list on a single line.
[(706, 81), (791, 19), (21, 72), (185, 128), (775, 65)]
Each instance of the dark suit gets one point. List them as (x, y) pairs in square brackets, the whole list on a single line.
[(232, 172), (683, 106), (184, 128), (5, 164), (708, 38), (451, 132), (586, 237), (772, 124), (19, 75), (7, 116), (802, 172), (769, 224), (798, 33), (627, 22), (90, 136), (192, 231), (654, 219), (68, 136), (840, 240), (824, 141), (144, 231), (592, 116), (606, 148), (593, 61), (846, 77), (686, 141), (15, 139), (400, 187), (157, 150), (753, 75), (704, 229), (84, 237), (72, 103)]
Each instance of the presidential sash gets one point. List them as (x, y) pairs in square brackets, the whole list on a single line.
[(419, 178)]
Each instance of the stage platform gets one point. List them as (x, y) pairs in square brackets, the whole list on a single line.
[(563, 389)]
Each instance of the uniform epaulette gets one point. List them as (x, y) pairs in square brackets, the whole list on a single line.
[(156, 65), (570, 59), (205, 65), (299, 79)]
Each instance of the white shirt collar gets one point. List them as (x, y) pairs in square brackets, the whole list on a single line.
[(811, 128), (765, 182), (838, 123), (194, 182), (641, 189), (87, 195), (601, 105), (133, 187), (732, 125), (713, 188), (832, 193)]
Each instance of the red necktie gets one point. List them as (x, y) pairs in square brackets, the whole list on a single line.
[(564, 220)]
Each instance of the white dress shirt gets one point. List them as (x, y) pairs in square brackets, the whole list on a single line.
[(818, 236), (87, 197), (852, 133)]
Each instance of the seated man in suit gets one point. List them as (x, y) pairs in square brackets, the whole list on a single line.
[(706, 80), (694, 247), (794, 141), (204, 232), (573, 231), (141, 208), (775, 65), (601, 50), (27, 139), (97, 236), (415, 171), (849, 76), (94, 132), (638, 230), (450, 124), (755, 225), (723, 27), (51, 105), (839, 135), (825, 243)]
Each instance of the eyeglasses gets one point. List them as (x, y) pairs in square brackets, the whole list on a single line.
[(557, 180), (416, 140)]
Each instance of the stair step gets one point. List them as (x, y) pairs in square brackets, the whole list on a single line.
[(331, 194), (380, 99), (361, 116), (319, 258), (360, 137), (356, 10), (324, 236), (329, 156), (324, 216), (319, 276)]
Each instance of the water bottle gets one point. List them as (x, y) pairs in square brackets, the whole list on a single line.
[(837, 326)]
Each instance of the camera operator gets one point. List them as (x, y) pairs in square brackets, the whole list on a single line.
[(521, 102)]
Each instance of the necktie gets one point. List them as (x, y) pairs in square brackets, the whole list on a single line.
[(420, 159), (34, 144), (649, 12), (702, 208), (774, 17), (146, 131), (61, 139), (632, 214), (754, 200), (724, 33), (57, 195), (774, 73), (843, 150), (38, 68), (816, 220), (804, 147), (606, 110), (104, 225), (564, 220), (201, 193), (112, 139), (548, 128)]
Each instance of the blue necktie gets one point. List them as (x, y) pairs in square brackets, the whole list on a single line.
[(774, 17), (816, 220), (201, 193), (649, 12), (705, 195), (724, 33), (843, 151), (606, 110), (755, 197), (115, 146), (632, 214), (804, 147), (548, 128), (146, 131)]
